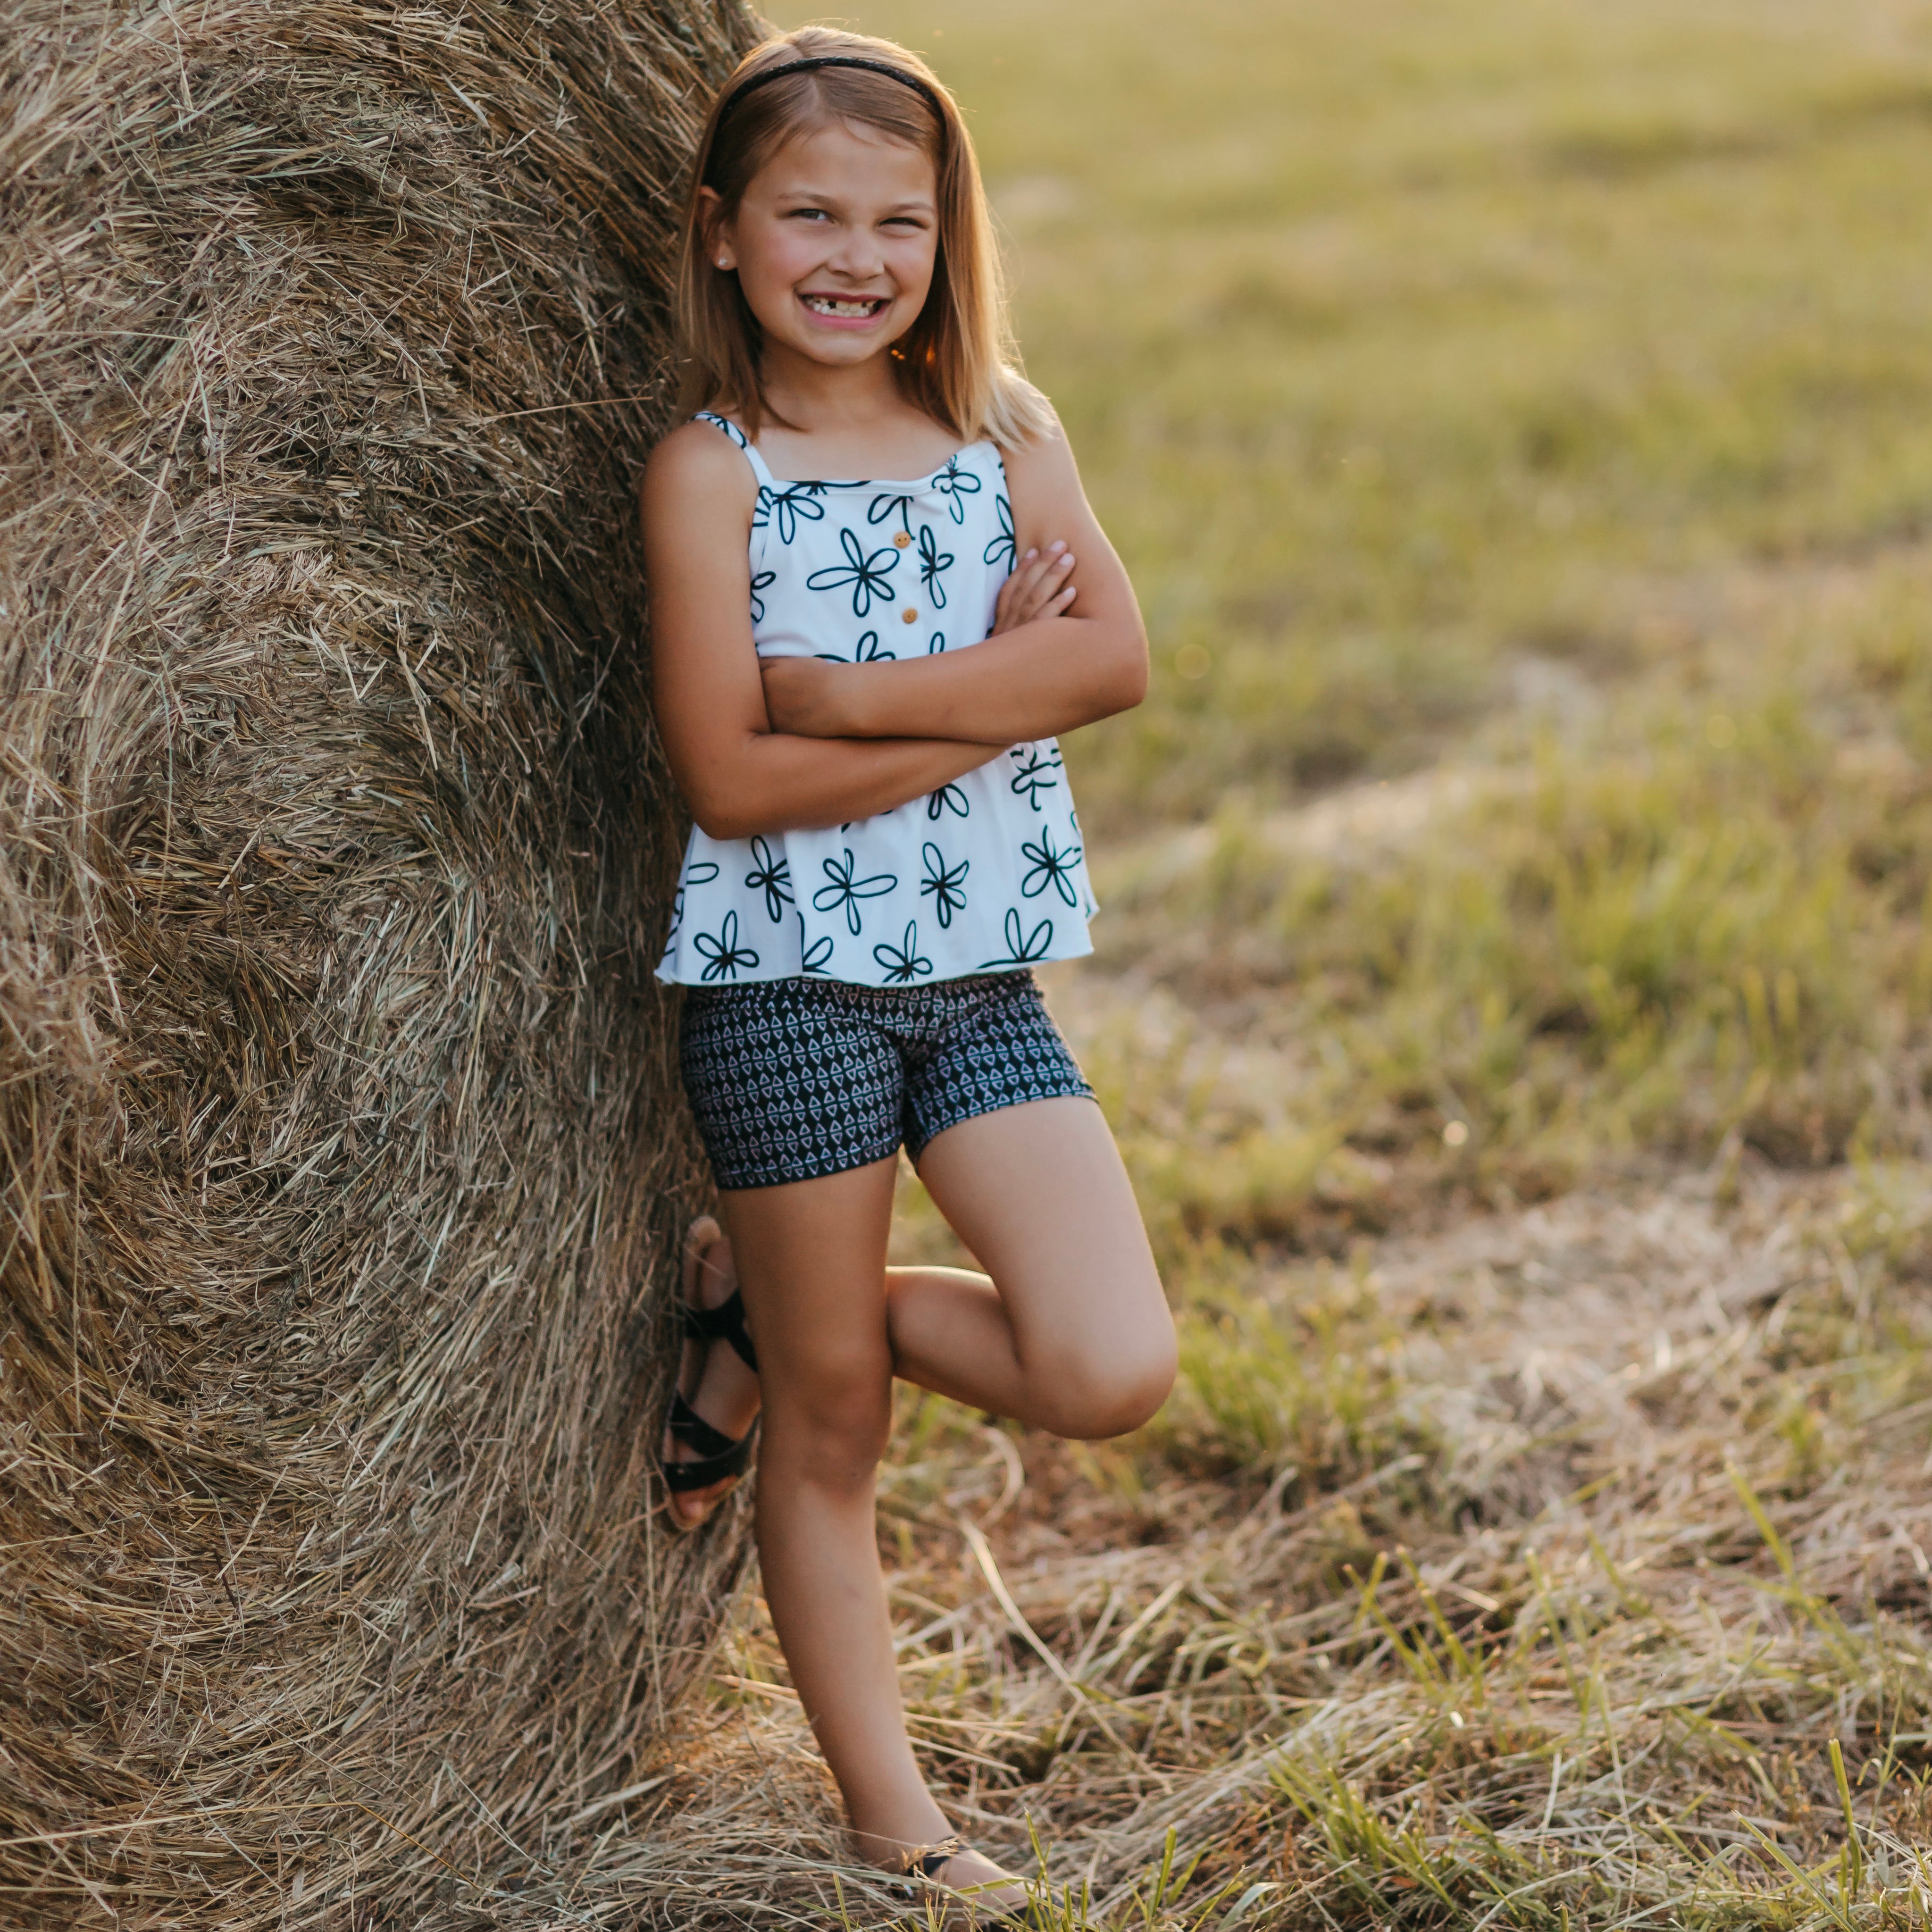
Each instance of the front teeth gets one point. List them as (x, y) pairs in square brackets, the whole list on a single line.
[(848, 310)]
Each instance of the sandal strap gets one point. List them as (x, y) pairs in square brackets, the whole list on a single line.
[(724, 1323), (718, 1455), (692, 1429), (702, 1472), (929, 1861)]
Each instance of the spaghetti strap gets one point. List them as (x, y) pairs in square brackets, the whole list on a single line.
[(759, 470)]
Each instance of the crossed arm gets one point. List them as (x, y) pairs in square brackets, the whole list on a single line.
[(797, 742)]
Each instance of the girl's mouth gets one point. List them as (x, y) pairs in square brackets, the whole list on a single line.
[(847, 308)]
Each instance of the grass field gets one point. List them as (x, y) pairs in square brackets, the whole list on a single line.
[(1513, 993)]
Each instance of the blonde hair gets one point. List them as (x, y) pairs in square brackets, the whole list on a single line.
[(957, 361)]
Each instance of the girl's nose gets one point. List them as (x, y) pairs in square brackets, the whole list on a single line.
[(858, 255)]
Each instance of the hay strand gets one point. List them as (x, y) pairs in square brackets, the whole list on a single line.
[(341, 1160)]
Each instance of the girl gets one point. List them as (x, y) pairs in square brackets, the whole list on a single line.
[(857, 684)]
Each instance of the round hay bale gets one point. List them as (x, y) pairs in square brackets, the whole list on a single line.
[(341, 1156)]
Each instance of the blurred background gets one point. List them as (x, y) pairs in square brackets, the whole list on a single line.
[(1517, 417), (1513, 972)]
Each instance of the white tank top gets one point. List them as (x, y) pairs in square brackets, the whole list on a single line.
[(985, 875)]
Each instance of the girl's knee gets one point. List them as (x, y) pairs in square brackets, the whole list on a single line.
[(1112, 1394), (824, 1448), (832, 1408)]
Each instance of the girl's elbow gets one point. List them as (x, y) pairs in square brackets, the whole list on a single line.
[(718, 820), (1128, 684), (729, 794), (718, 816)]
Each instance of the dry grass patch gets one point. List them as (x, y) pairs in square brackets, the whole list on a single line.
[(1567, 1569)]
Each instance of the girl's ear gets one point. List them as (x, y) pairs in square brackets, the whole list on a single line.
[(712, 227)]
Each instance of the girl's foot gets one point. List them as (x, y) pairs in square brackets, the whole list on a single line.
[(716, 1403), (981, 1894)]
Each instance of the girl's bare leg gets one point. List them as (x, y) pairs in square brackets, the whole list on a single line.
[(811, 1256), (1071, 1333)]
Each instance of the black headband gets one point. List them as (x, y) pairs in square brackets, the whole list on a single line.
[(898, 74)]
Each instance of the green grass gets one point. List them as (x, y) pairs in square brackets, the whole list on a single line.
[(1400, 341), (1687, 924), (1515, 415)]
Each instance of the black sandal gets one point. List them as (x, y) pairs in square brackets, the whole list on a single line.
[(924, 1863), (718, 1457), (724, 1323)]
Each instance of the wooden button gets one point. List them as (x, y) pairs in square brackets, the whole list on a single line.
[(904, 538), (908, 616)]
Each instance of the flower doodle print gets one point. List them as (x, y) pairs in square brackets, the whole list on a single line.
[(953, 483), (866, 574), (815, 957), (1034, 774), (1022, 950), (902, 962), (943, 882), (1048, 867), (846, 890), (989, 877), (933, 562), (728, 958), (1002, 551), (783, 508), (883, 507), (701, 873), (771, 875)]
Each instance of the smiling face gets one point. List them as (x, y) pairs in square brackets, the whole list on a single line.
[(834, 244)]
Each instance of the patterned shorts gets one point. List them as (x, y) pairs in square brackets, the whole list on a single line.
[(789, 1079)]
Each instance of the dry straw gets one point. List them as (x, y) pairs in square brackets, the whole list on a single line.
[(339, 1150)]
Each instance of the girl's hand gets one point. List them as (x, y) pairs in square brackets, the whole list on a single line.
[(801, 694), (1039, 586)]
